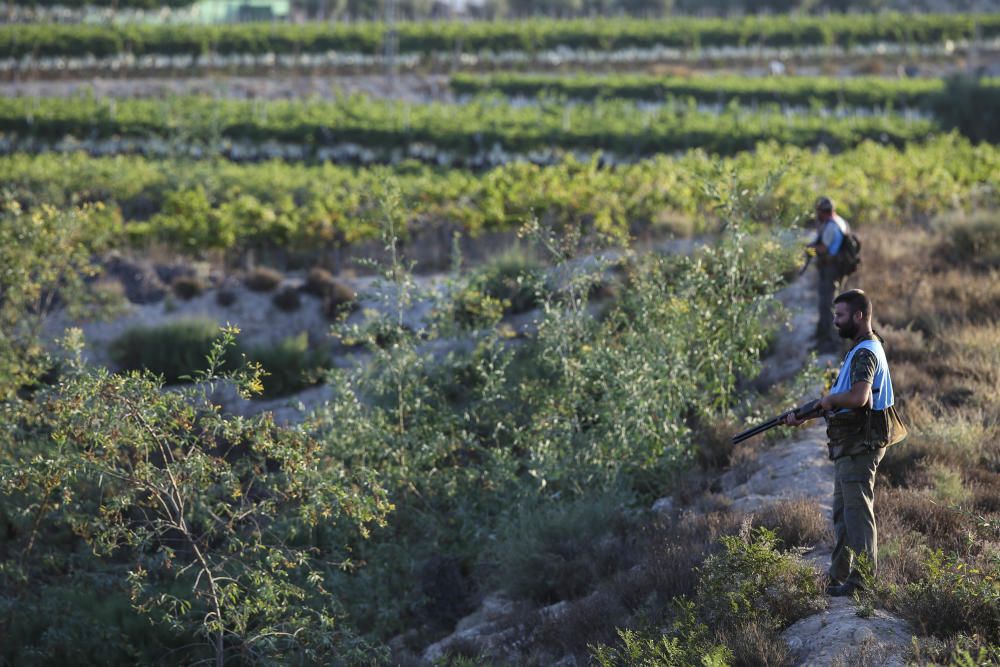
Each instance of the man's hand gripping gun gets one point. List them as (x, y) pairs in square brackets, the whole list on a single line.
[(807, 411)]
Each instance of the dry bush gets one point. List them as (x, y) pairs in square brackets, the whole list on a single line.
[(984, 488), (971, 242), (910, 510), (713, 442), (673, 548), (903, 345), (974, 352), (911, 379), (869, 653), (318, 282), (754, 644), (953, 439), (590, 620), (187, 287), (797, 523), (262, 279), (900, 554), (338, 298)]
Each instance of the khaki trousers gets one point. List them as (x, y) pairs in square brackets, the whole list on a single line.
[(854, 515), (827, 285)]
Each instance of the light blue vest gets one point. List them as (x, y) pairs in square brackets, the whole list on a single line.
[(840, 225), (882, 395)]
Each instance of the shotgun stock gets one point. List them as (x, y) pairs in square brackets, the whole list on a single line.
[(810, 409)]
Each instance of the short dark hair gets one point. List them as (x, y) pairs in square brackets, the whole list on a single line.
[(856, 300), (824, 204)]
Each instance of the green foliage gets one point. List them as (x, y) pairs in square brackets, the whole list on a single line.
[(955, 595), (513, 277), (290, 366), (464, 130), (213, 514), (970, 104), (871, 92), (608, 34), (752, 580), (877, 185), (689, 643), (45, 260), (175, 350)]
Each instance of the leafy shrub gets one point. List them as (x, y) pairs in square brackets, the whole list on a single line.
[(289, 366), (187, 287), (262, 279), (689, 642), (473, 309), (954, 596), (173, 350), (751, 579), (513, 277), (287, 299)]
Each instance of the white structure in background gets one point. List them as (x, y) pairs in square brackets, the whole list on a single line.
[(238, 11)]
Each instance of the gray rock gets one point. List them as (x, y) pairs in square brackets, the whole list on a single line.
[(665, 505)]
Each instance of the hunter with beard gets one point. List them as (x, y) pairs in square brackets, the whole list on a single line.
[(861, 423)]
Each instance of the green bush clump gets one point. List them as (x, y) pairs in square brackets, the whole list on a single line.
[(955, 596), (689, 642), (508, 284), (174, 350), (203, 524), (752, 579), (515, 277), (289, 366)]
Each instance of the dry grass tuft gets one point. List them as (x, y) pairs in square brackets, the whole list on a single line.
[(797, 523), (262, 279), (911, 510), (754, 644)]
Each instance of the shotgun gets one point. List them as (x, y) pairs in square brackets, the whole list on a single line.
[(810, 409)]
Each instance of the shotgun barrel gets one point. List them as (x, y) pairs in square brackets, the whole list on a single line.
[(810, 409)]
